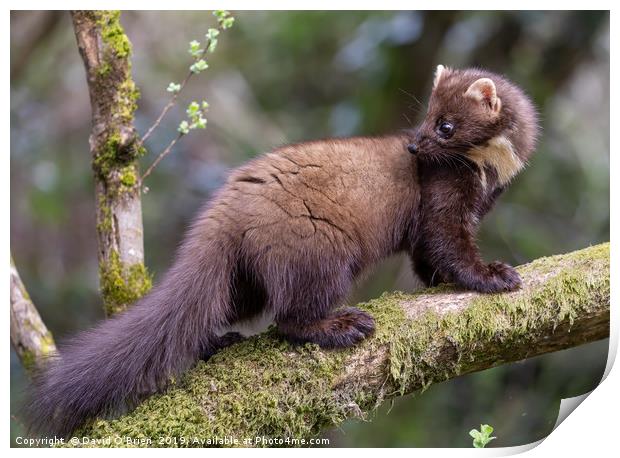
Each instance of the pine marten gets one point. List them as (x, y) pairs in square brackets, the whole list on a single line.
[(289, 233)]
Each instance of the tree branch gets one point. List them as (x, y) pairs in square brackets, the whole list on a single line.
[(266, 387), (106, 51), (162, 155), (29, 336)]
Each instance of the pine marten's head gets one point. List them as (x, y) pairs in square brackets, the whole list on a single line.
[(480, 116)]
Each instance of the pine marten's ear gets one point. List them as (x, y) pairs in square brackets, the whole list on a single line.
[(440, 69), (483, 90)]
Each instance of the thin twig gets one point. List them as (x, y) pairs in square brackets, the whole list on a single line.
[(163, 154), (175, 96), (165, 110)]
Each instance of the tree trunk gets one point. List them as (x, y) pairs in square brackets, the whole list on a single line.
[(106, 51), (266, 387), (29, 336)]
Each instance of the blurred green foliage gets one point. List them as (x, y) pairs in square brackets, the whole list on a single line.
[(282, 77)]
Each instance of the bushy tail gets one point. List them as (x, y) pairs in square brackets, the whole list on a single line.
[(108, 369)]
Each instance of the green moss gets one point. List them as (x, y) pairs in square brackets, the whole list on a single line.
[(34, 327), (115, 86), (128, 176), (104, 219), (140, 151), (106, 157), (234, 379), (262, 387), (266, 387), (122, 285), (113, 34), (128, 95), (29, 359), (511, 319), (104, 69), (119, 168), (47, 344)]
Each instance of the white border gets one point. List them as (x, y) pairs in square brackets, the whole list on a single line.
[(589, 430)]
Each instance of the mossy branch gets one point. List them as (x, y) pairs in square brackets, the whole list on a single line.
[(116, 148), (29, 336), (266, 387)]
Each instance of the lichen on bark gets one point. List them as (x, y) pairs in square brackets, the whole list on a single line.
[(267, 387), (115, 147)]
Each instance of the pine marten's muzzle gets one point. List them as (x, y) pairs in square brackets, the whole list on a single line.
[(412, 148)]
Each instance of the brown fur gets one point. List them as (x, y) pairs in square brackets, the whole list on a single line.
[(461, 176), (288, 234), (306, 219)]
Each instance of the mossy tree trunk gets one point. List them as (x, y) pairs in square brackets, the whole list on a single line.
[(115, 147), (266, 387), (29, 336)]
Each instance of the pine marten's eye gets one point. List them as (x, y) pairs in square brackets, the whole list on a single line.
[(445, 129)]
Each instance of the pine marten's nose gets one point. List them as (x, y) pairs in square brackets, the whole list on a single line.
[(412, 148)]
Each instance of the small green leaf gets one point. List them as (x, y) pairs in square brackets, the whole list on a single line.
[(200, 123), (211, 37), (224, 19), (199, 66), (212, 34), (220, 14), (194, 48), (193, 109), (205, 105), (183, 127), (174, 88), (212, 44), (227, 23)]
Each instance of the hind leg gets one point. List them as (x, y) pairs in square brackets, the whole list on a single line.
[(306, 311), (342, 327), (220, 342), (248, 299)]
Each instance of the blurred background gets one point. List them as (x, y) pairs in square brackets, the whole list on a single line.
[(280, 77)]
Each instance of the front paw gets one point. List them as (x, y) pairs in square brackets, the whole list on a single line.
[(500, 278)]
